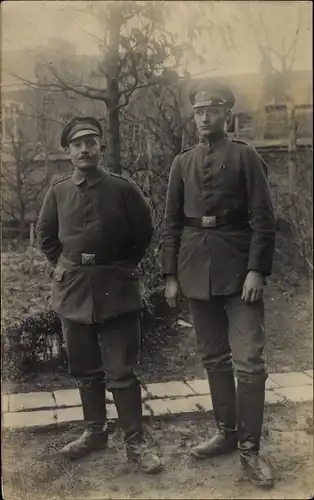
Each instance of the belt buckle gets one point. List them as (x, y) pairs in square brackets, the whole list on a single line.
[(209, 221), (88, 258)]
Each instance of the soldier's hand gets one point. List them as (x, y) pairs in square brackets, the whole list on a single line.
[(172, 291), (253, 287)]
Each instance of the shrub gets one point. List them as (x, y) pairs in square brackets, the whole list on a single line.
[(300, 211), (294, 209), (32, 344)]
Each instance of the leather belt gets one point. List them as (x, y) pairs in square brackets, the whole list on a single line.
[(212, 221), (85, 259)]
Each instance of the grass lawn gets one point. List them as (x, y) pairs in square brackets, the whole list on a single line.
[(32, 467)]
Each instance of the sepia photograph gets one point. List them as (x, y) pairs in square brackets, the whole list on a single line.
[(156, 249)]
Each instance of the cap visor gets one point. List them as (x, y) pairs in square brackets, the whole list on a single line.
[(211, 104), (82, 133)]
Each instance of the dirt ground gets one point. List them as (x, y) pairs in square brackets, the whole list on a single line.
[(32, 467)]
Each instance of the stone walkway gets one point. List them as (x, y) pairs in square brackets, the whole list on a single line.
[(41, 409)]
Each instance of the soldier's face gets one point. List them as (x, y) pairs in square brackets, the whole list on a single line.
[(209, 119), (85, 152)]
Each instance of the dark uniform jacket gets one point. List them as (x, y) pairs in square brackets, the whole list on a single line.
[(106, 216), (226, 177)]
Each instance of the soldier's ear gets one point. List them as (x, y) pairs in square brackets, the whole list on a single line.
[(67, 150)]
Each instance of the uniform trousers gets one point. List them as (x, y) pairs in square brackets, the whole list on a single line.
[(110, 348), (229, 331)]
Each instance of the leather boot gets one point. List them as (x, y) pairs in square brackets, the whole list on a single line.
[(95, 436), (222, 388), (128, 402), (251, 399)]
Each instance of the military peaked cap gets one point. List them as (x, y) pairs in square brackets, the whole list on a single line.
[(213, 94), (80, 126)]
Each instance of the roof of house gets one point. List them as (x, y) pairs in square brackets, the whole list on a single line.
[(19, 65)]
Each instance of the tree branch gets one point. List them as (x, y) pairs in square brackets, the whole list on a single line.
[(295, 38), (62, 86), (135, 86), (86, 91), (10, 211), (99, 40)]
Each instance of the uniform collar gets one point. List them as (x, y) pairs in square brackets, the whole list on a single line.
[(94, 178), (214, 140)]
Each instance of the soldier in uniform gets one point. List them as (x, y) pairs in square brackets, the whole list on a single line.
[(218, 247), (94, 228)]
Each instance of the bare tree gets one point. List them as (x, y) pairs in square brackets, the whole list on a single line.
[(23, 183), (136, 47), (278, 57), (161, 115)]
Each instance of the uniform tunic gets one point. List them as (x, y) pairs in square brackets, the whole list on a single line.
[(107, 216), (225, 177)]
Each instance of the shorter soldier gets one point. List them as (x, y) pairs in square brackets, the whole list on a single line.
[(218, 246), (94, 228)]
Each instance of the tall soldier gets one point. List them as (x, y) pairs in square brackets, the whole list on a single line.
[(218, 248), (94, 228)]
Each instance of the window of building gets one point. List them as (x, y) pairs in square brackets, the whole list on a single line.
[(11, 114), (304, 121), (231, 125), (241, 125), (245, 126)]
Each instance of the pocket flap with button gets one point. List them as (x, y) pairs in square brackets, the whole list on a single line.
[(58, 274)]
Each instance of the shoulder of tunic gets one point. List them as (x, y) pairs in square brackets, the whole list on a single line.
[(130, 182), (58, 181), (118, 176), (252, 148), (186, 149), (239, 141)]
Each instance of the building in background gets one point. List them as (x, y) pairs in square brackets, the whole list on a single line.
[(32, 118)]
